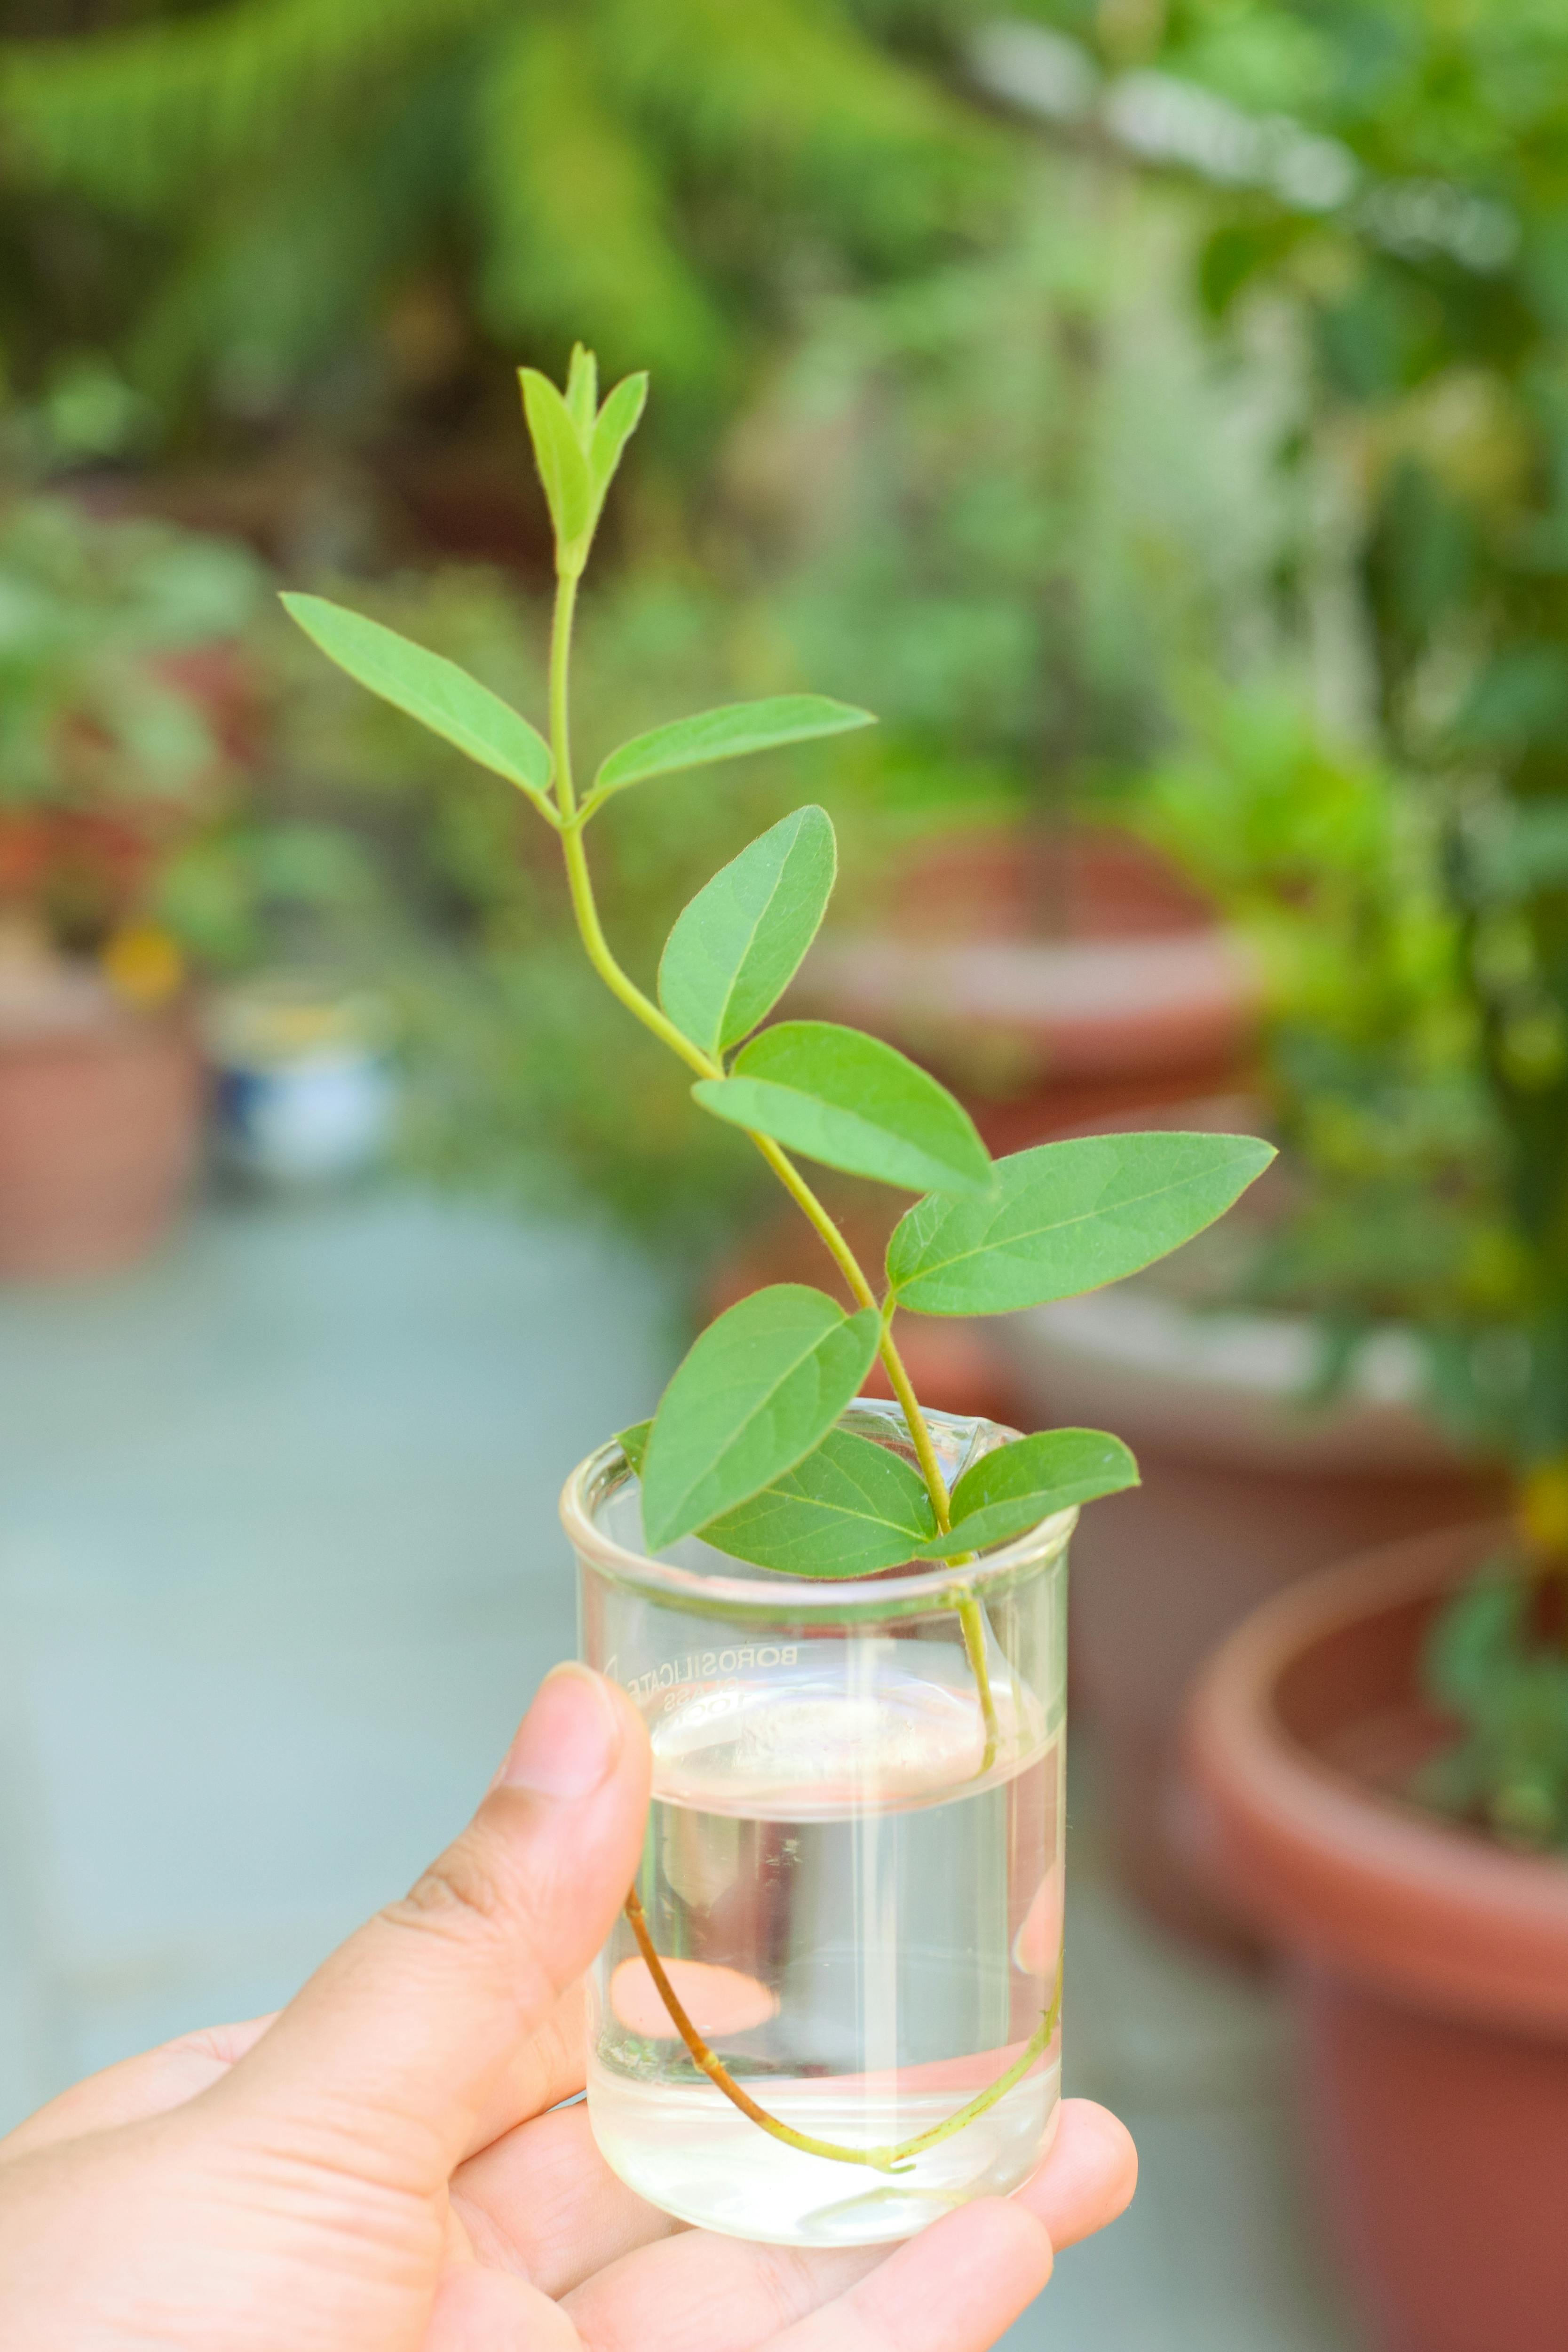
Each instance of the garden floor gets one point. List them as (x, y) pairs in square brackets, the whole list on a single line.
[(279, 1565)]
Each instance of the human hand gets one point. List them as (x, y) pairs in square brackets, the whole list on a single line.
[(383, 2167)]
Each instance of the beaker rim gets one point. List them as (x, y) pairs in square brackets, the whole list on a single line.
[(765, 1591)]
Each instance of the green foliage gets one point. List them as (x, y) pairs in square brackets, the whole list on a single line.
[(254, 889), (432, 690), (614, 428), (1487, 1665), (850, 1509), (508, 1032), (754, 1393), (1331, 862), (999, 503), (560, 450), (747, 1410), (1433, 298), (734, 950), (726, 734), (279, 171), (634, 1443), (1005, 1493), (578, 445), (1436, 300), (92, 616), (853, 1102), (1065, 1218), (120, 689)]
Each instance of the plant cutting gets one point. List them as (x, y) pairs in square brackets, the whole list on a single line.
[(832, 2008)]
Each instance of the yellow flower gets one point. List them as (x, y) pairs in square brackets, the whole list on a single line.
[(144, 964), (1544, 1504)]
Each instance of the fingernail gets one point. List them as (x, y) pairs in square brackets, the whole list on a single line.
[(569, 1738)]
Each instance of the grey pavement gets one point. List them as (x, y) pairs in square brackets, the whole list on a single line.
[(279, 1567)]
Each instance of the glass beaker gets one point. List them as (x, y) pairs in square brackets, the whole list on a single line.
[(848, 1916)]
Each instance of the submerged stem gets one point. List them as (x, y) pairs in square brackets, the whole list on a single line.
[(972, 1618), (881, 2160)]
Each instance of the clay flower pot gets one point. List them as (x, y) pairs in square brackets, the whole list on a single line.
[(1052, 979), (1430, 1964), (99, 1125), (1246, 1489)]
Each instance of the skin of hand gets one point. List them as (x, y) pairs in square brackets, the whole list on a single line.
[(383, 2167)]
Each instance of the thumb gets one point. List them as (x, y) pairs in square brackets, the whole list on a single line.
[(396, 2041)]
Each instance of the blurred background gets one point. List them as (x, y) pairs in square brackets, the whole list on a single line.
[(1157, 412)]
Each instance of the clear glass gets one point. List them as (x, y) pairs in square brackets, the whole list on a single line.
[(853, 1879)]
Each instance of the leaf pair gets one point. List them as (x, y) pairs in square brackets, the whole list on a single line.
[(827, 1091), (443, 698), (851, 1507), (988, 1239), (763, 1387), (578, 445)]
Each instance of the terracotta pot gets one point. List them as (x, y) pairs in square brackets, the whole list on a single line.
[(1431, 1965), (1246, 1489), (99, 1123), (1054, 979)]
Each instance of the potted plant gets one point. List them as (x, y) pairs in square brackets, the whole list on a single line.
[(831, 2007), (1290, 1384), (1400, 1727), (121, 714), (1378, 1757)]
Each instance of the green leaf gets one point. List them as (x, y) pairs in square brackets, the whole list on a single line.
[(1008, 1492), (849, 1509), (724, 734), (560, 458), (617, 420), (754, 1393), (851, 1100), (634, 1443), (1065, 1218), (737, 947), (432, 690), (583, 392)]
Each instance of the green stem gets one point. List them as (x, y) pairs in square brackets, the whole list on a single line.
[(896, 2158), (561, 690), (585, 908), (971, 1616), (849, 1265), (621, 984)]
